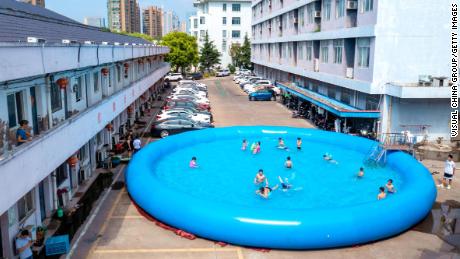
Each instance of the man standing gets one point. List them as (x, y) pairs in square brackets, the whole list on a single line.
[(22, 136), (23, 244), (449, 171), (137, 144)]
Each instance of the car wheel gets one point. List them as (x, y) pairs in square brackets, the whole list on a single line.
[(164, 134), (251, 98)]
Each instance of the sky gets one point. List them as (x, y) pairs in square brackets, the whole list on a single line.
[(78, 9)]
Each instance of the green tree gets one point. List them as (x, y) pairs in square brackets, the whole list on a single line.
[(235, 54), (209, 55), (137, 35), (183, 50), (246, 53)]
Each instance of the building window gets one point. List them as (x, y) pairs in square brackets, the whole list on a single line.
[(15, 109), (236, 20), (363, 52), (61, 174), (195, 33), (345, 96), (224, 20), (331, 92), (96, 81), (338, 48), (202, 20), (224, 34), (202, 34), (224, 7), (367, 5), (118, 74), (78, 88), (314, 88), (236, 34), (224, 46), (339, 8), (372, 102), (327, 10), (309, 52), (195, 23), (300, 51), (324, 51), (25, 205), (236, 7), (56, 98), (310, 14)]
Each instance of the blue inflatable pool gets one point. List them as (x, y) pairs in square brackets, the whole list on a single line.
[(327, 206)]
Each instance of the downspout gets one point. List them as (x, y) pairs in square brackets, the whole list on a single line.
[(48, 100)]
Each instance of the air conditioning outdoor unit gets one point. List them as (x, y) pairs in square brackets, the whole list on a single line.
[(66, 41), (349, 72), (317, 14), (352, 5), (88, 42), (316, 65)]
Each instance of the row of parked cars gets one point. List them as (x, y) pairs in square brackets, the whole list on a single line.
[(257, 88), (186, 108), (173, 77)]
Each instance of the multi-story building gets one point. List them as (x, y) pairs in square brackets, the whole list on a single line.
[(170, 22), (226, 22), (183, 26), (374, 65), (94, 21), (34, 2), (80, 90), (124, 15), (152, 21)]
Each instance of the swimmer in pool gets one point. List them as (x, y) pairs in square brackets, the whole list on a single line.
[(281, 143), (390, 186), (256, 148), (382, 195), (253, 146), (328, 158), (244, 145), (299, 144), (288, 163), (361, 172), (260, 178), (265, 192), (285, 185), (193, 163)]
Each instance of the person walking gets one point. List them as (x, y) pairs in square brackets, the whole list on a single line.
[(137, 144), (449, 171)]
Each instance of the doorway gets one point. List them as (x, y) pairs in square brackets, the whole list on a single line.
[(41, 196), (33, 101)]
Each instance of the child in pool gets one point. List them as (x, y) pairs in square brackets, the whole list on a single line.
[(260, 178), (285, 185), (244, 145), (265, 192), (288, 163), (328, 158), (193, 163), (299, 144), (281, 143), (361, 172), (390, 186), (256, 148), (382, 195), (253, 146)]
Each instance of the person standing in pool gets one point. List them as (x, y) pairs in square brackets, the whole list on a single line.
[(244, 145), (299, 144), (265, 192), (390, 186), (256, 148), (361, 173), (281, 143), (382, 195), (260, 178), (288, 163), (193, 163)]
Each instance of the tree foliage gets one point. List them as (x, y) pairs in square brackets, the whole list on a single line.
[(209, 55), (241, 55), (183, 50), (235, 54), (137, 35)]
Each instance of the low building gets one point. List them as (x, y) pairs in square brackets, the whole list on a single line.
[(81, 90)]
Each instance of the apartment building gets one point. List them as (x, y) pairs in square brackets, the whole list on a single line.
[(94, 21), (153, 21), (80, 90), (34, 2), (170, 22), (376, 65), (124, 15), (226, 22)]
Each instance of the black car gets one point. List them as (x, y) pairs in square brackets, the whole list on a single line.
[(195, 76), (173, 126)]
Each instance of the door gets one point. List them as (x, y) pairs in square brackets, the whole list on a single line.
[(33, 101), (41, 196)]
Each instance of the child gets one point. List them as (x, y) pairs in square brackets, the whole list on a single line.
[(299, 144), (244, 145), (265, 192), (281, 143), (288, 163), (193, 163), (285, 185), (328, 158), (361, 172), (390, 186), (256, 148), (260, 178), (382, 195), (253, 146)]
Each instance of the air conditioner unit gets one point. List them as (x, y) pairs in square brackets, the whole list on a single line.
[(65, 41), (349, 72), (316, 65), (88, 42), (104, 43), (352, 5), (116, 43), (35, 40), (317, 14)]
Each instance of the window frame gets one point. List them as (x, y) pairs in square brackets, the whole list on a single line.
[(367, 6), (236, 19), (337, 46), (309, 50), (327, 5), (233, 34), (55, 97), (234, 9), (96, 83), (324, 55), (78, 89), (28, 200), (363, 46), (339, 12), (224, 20), (17, 109)]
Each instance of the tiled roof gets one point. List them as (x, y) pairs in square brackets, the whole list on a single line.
[(20, 20)]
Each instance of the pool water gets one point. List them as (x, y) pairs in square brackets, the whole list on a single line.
[(226, 174)]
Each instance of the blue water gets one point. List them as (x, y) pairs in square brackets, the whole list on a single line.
[(226, 174)]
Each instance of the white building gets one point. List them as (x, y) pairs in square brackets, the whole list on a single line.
[(94, 21), (226, 22), (170, 22), (383, 65), (81, 91)]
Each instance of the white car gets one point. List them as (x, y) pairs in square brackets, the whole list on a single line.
[(197, 99), (223, 72), (256, 83), (197, 117), (183, 82), (173, 77), (189, 91)]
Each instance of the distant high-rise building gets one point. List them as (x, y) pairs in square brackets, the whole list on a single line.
[(183, 26), (170, 22), (124, 15), (34, 2), (94, 21), (153, 21)]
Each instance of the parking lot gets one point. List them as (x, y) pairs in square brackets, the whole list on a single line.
[(118, 230)]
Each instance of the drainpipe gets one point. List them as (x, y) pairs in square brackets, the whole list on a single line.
[(54, 190), (48, 101)]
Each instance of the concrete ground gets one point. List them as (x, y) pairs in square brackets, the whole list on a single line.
[(117, 230)]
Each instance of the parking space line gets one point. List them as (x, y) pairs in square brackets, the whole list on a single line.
[(164, 250), (221, 89)]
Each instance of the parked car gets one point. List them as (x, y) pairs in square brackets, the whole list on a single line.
[(249, 80), (192, 98), (192, 86), (173, 77), (223, 72), (192, 82), (196, 117), (183, 103), (262, 95), (194, 76), (167, 127), (251, 86), (192, 110), (189, 91)]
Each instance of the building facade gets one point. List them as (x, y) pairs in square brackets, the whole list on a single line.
[(170, 22), (94, 21), (226, 22), (80, 99), (124, 15), (347, 57), (153, 21), (34, 2)]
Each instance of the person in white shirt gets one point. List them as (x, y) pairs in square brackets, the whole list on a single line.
[(137, 144), (449, 171), (23, 244)]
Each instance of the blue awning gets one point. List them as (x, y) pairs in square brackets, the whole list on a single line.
[(340, 109)]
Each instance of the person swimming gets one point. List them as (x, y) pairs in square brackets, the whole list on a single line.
[(260, 178), (256, 148), (361, 172), (193, 163), (253, 146), (265, 191), (285, 185), (244, 145), (390, 186), (382, 195), (288, 163), (281, 144), (299, 144), (328, 158)]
